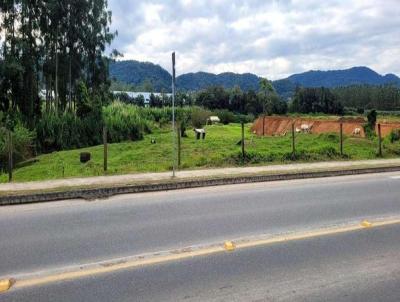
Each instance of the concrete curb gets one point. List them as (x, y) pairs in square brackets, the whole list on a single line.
[(105, 192)]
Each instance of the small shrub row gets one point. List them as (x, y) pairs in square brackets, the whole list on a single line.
[(253, 157)]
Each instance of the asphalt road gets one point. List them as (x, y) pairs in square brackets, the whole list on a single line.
[(356, 266), (52, 235)]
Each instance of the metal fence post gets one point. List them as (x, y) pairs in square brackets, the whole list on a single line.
[(173, 117)]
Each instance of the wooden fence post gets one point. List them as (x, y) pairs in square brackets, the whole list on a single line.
[(105, 149), (263, 125), (293, 141), (341, 139), (10, 156), (243, 153), (380, 140)]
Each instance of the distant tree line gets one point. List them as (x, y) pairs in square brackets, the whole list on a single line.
[(384, 97), (335, 100), (265, 101), (316, 100)]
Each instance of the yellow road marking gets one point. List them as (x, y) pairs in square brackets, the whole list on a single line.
[(5, 285), (103, 268), (366, 224), (229, 246)]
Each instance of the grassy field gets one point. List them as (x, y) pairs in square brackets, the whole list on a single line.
[(219, 149)]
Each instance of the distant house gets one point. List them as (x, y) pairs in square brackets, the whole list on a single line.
[(146, 95)]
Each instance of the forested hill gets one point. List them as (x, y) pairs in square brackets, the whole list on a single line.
[(141, 73), (347, 77), (201, 80), (138, 74)]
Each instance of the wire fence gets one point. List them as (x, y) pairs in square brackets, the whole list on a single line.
[(218, 146)]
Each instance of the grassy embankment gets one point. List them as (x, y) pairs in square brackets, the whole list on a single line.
[(220, 149)]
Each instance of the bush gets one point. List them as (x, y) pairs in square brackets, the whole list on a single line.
[(394, 135), (22, 140), (329, 152), (330, 137), (253, 157), (372, 116), (226, 116), (163, 115), (199, 117), (369, 131), (245, 118)]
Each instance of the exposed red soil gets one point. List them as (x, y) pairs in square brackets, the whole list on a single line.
[(281, 125)]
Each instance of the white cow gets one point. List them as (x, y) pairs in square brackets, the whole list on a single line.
[(357, 131), (305, 128), (298, 130)]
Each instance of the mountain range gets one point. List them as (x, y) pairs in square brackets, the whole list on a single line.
[(138, 73)]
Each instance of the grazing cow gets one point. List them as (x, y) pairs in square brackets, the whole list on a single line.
[(305, 128), (357, 131), (298, 130)]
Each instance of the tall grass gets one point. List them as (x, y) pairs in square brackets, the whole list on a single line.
[(125, 122), (67, 131)]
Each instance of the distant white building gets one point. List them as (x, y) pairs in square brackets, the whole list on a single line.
[(146, 95)]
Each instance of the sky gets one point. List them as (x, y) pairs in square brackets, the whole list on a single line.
[(273, 39)]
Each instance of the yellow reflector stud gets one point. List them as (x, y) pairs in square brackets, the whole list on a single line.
[(366, 224), (229, 246), (5, 285)]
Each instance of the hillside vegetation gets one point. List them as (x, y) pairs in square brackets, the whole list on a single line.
[(142, 74)]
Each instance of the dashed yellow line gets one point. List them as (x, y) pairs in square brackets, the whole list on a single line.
[(109, 267)]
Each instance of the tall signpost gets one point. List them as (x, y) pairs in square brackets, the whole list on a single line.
[(173, 116)]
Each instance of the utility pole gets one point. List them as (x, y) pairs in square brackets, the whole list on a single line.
[(173, 116)]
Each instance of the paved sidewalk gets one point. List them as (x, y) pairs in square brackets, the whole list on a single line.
[(190, 174)]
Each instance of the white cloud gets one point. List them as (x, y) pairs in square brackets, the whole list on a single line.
[(269, 38)]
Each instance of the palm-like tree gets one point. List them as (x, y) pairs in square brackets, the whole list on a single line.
[(267, 88)]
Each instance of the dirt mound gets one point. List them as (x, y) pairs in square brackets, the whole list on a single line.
[(282, 125)]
